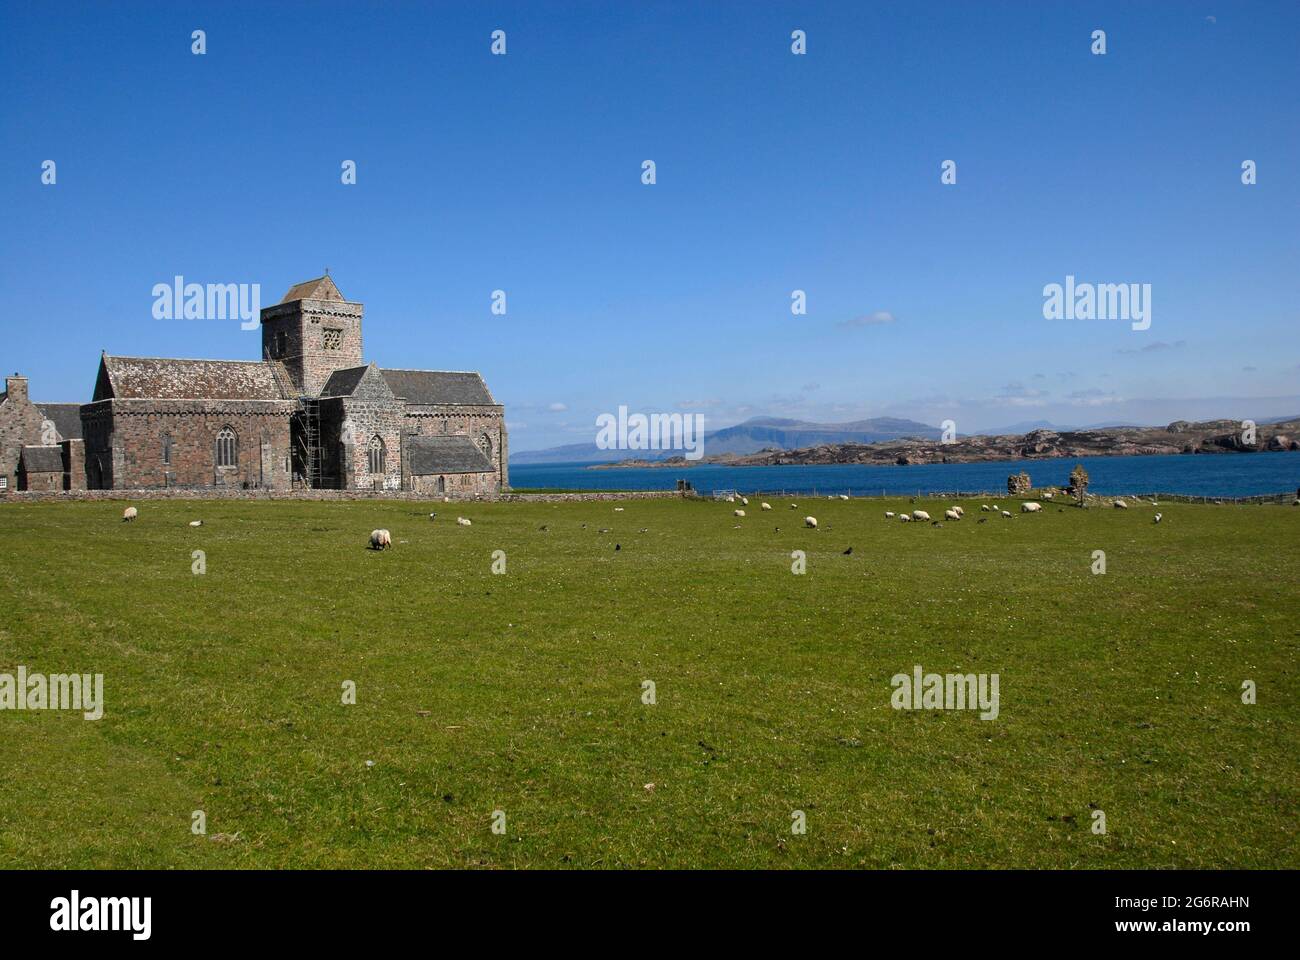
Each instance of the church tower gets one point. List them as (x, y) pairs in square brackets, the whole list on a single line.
[(313, 331)]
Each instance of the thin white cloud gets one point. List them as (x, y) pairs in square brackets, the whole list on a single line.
[(879, 318)]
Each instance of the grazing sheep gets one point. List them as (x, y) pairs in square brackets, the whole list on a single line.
[(1156, 518), (433, 516), (1048, 495), (737, 513), (744, 501), (920, 515), (196, 523), (1030, 507), (731, 499), (765, 506), (618, 509), (1120, 505), (810, 522), (996, 508), (960, 511), (951, 515), (380, 540), (905, 517), (889, 514), (984, 508), (1007, 514), (794, 506), (462, 521), (844, 496), (128, 514)]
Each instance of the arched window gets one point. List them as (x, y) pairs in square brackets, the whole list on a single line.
[(485, 444), (442, 484), (227, 448), (376, 455)]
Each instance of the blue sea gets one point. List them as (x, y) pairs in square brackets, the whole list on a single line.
[(1211, 475)]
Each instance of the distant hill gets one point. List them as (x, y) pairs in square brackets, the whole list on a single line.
[(755, 434)]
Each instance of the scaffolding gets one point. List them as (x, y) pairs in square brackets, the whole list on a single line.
[(304, 429), (308, 447)]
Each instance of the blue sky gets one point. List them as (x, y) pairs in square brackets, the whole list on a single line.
[(775, 172)]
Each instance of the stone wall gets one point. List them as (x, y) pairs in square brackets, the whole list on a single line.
[(20, 424), (594, 496), (477, 422), (126, 448)]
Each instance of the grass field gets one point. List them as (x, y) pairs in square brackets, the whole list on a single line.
[(522, 692)]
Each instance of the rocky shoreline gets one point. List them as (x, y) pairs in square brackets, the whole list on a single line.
[(1181, 436)]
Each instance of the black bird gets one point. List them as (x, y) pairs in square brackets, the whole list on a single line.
[(618, 546), (984, 519), (935, 523), (542, 528), (848, 551)]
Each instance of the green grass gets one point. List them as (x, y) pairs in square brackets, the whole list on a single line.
[(522, 692)]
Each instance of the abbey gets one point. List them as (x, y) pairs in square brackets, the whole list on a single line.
[(311, 413)]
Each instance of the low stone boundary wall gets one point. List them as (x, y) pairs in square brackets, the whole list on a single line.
[(40, 496)]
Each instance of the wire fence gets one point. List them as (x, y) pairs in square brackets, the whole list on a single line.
[(1287, 497)]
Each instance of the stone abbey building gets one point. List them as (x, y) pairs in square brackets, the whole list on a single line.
[(310, 414)]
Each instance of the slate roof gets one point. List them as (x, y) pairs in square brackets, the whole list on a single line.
[(342, 382), (451, 454), (66, 418), (163, 378), (42, 460), (322, 288), (426, 387)]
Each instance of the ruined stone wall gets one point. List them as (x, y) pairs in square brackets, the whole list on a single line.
[(20, 425)]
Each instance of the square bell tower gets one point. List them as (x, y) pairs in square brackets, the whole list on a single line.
[(313, 331)]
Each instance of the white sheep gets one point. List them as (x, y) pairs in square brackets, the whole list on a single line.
[(794, 506), (984, 508), (129, 514), (1007, 514), (731, 499), (1156, 518), (920, 515), (745, 501), (810, 522), (380, 540), (1120, 505), (737, 513), (960, 511), (462, 521), (844, 496), (905, 517), (765, 506), (889, 514), (1030, 507), (196, 523), (618, 509), (1048, 495), (951, 515), (996, 508)]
